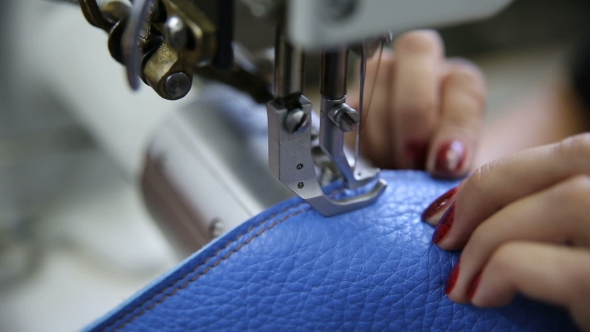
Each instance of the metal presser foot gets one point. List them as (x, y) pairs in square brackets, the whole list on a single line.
[(290, 132)]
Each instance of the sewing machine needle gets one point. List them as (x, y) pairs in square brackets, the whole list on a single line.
[(362, 79), (363, 71)]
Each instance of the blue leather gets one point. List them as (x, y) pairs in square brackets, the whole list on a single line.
[(292, 269)]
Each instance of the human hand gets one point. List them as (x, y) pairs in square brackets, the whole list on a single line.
[(425, 111), (523, 222)]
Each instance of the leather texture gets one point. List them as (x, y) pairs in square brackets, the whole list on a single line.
[(292, 269)]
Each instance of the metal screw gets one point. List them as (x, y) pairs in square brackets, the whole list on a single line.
[(346, 118), (177, 85), (176, 34), (300, 185), (300, 166), (296, 121), (217, 228)]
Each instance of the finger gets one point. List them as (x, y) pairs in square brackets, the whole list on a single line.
[(544, 272), (416, 95), (557, 215), (452, 146), (376, 110), (504, 181)]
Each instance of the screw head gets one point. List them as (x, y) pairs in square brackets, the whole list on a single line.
[(300, 185), (177, 85), (346, 118), (216, 228), (296, 121), (176, 34), (300, 166)]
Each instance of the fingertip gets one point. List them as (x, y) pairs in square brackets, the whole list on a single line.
[(444, 226), (448, 158), (437, 208), (420, 42)]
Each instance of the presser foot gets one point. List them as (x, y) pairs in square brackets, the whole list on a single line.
[(336, 118), (290, 159)]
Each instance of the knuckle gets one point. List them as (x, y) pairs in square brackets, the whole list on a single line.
[(477, 182), (575, 191), (422, 41), (503, 259), (470, 79), (465, 63), (479, 187), (576, 147), (465, 70), (417, 109), (467, 122)]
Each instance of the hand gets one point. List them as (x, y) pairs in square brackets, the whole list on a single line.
[(524, 225), (426, 111)]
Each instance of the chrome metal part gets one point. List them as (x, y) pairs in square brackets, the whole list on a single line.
[(289, 62), (332, 143), (176, 34), (177, 85), (131, 52), (296, 121), (343, 116), (333, 77), (290, 135), (337, 117), (289, 150)]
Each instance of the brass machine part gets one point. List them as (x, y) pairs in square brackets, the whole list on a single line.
[(176, 42), (189, 42), (177, 39)]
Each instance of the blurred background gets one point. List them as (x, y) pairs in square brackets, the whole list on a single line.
[(75, 236)]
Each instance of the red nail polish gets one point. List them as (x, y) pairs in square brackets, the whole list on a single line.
[(444, 225), (439, 204), (473, 287), (452, 279), (416, 154), (450, 157)]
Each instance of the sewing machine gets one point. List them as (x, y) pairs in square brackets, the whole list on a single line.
[(205, 170)]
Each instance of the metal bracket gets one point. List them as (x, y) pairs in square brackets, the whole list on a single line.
[(336, 118), (290, 159)]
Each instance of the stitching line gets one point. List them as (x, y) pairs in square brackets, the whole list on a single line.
[(197, 276)]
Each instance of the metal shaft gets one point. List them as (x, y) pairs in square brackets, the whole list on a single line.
[(289, 63), (333, 79)]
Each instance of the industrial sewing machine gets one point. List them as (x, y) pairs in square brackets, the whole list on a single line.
[(205, 170)]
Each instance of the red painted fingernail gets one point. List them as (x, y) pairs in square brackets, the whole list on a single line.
[(450, 158), (444, 225), (452, 279), (439, 204), (473, 287), (416, 154)]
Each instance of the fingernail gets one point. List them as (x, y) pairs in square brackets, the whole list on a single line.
[(416, 154), (473, 287), (439, 204), (450, 158), (444, 225), (452, 279)]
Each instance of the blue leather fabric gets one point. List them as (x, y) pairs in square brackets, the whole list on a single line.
[(292, 269)]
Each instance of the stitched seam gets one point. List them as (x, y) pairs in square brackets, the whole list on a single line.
[(194, 278)]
